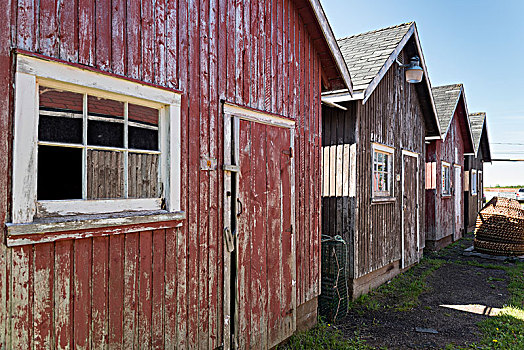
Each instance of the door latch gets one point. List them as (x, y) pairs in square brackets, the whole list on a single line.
[(229, 238)]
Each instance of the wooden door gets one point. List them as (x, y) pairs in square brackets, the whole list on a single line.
[(458, 202), (410, 207), (262, 274)]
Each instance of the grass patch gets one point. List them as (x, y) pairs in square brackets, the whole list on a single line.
[(505, 331), (324, 336), (402, 292)]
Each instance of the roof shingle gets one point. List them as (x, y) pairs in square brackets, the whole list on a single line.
[(477, 123), (366, 53), (446, 99)]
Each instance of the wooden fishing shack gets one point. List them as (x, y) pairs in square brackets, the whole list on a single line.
[(160, 171), (445, 168), (474, 169), (374, 154)]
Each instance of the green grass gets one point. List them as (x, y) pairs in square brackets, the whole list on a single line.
[(505, 331), (404, 290), (323, 337)]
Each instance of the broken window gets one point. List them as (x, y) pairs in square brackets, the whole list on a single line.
[(96, 148)]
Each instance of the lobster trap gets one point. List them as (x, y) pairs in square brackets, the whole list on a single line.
[(334, 297)]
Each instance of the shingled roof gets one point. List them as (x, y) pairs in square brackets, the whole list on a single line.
[(446, 99), (366, 53), (477, 125)]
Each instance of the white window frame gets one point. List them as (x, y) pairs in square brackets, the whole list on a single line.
[(474, 181), (30, 73), (446, 191), (376, 147)]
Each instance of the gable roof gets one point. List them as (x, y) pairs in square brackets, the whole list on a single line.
[(366, 53), (335, 72), (480, 134), (370, 55), (447, 99)]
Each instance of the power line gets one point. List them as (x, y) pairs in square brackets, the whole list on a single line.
[(507, 143)]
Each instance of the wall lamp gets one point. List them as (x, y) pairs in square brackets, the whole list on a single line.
[(414, 72)]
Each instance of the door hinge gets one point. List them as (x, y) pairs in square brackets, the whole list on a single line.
[(289, 152)]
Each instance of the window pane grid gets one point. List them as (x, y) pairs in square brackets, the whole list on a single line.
[(382, 175), (110, 169)]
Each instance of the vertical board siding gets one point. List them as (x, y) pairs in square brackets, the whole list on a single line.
[(389, 117), (122, 306), (257, 54), (440, 211)]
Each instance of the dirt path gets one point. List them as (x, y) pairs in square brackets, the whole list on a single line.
[(455, 281)]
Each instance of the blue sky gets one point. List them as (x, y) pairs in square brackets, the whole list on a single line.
[(477, 43)]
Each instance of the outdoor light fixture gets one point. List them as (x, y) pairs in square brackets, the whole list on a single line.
[(414, 72)]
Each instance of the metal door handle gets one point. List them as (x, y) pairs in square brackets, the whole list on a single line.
[(240, 208)]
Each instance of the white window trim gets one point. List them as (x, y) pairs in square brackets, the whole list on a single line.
[(446, 165), (30, 72), (474, 189), (390, 150)]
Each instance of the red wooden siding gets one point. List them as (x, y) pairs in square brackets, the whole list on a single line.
[(440, 211), (107, 290)]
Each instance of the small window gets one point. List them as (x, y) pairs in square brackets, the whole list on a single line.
[(473, 182), (446, 181), (382, 171), (88, 143)]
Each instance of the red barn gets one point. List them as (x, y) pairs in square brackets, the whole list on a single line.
[(160, 176), (445, 167)]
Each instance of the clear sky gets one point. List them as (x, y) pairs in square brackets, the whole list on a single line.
[(478, 43)]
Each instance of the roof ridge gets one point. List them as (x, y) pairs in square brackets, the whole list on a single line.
[(447, 85), (377, 30)]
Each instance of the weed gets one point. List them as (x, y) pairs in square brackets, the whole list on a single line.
[(324, 336), (404, 289)]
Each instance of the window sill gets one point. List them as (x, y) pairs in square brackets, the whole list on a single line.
[(383, 200), (84, 226)]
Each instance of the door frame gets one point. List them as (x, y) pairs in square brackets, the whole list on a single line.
[(232, 114), (458, 196), (416, 156)]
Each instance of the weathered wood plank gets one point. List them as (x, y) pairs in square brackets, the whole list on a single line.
[(21, 293), (100, 292), (116, 290), (145, 290), (259, 297), (83, 262), (131, 291), (274, 237), (86, 32), (63, 295), (118, 36), (170, 298), (68, 24), (245, 297), (43, 296), (134, 40), (103, 34), (193, 159), (203, 229), (158, 289)]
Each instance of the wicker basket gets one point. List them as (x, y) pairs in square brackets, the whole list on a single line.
[(500, 228)]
